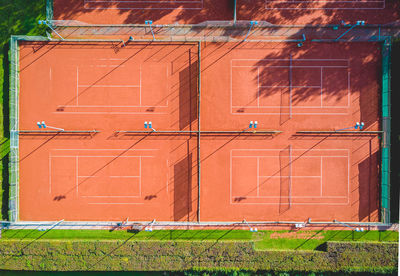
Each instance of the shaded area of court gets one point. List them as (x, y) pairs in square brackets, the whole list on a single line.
[(137, 12), (278, 12), (318, 12)]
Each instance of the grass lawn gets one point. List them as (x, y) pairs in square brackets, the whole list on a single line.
[(18, 17), (275, 240)]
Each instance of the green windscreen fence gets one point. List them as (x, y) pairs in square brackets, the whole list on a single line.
[(385, 169), (49, 10), (14, 123)]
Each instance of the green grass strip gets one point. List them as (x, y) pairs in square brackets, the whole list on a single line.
[(263, 240)]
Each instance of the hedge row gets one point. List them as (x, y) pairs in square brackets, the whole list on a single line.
[(179, 256)]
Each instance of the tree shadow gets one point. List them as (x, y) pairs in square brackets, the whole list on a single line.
[(318, 12), (137, 12)]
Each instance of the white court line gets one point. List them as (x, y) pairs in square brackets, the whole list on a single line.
[(140, 176), (250, 156), (106, 112), (50, 72), (300, 197), (276, 106), (280, 149), (77, 176), (77, 173), (290, 86), (99, 196), (114, 203), (322, 8), (87, 2), (277, 113), (110, 59), (258, 176), (321, 157), (113, 106), (114, 176), (108, 149), (49, 173), (86, 85), (258, 86), (125, 176), (290, 66), (111, 176), (279, 203), (321, 86), (77, 85), (294, 66), (90, 156), (321, 175), (140, 85), (293, 176), (301, 59), (107, 66)]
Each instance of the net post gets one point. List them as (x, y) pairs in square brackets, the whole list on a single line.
[(385, 165)]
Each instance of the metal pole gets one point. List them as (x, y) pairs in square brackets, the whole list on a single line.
[(53, 30), (234, 12), (352, 27), (251, 26), (199, 132), (151, 29)]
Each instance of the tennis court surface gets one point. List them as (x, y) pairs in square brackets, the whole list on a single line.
[(199, 160), (281, 12)]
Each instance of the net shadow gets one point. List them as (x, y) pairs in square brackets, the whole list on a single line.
[(183, 188)]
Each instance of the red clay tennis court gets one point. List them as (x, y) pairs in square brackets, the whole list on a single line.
[(281, 12), (106, 166)]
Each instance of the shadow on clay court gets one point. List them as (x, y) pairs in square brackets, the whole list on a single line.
[(188, 101), (183, 188), (139, 12), (295, 86), (326, 12), (368, 193), (38, 147)]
